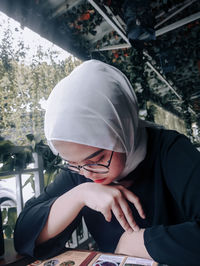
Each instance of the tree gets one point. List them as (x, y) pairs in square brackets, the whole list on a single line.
[(23, 86)]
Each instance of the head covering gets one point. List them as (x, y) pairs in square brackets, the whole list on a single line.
[(96, 105)]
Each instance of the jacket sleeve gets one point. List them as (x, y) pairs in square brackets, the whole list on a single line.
[(34, 215), (179, 244)]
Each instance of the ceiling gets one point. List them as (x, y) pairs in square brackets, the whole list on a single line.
[(165, 70)]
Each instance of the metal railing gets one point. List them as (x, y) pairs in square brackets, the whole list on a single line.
[(76, 239), (37, 170)]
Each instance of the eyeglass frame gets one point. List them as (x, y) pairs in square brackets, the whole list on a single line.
[(66, 166)]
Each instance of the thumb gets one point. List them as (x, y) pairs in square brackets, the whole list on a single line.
[(108, 215)]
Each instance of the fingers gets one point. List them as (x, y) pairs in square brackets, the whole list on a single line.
[(124, 216), (108, 215), (114, 200), (128, 215), (134, 199)]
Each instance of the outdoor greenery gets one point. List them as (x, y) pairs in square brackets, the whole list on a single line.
[(16, 158), (175, 55), (23, 85), (9, 217), (13, 157)]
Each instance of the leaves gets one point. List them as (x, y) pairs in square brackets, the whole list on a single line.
[(30, 137), (23, 86), (14, 157), (9, 217), (31, 181)]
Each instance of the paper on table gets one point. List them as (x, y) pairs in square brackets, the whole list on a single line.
[(109, 260), (130, 261)]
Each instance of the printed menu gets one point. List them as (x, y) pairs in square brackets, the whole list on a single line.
[(93, 258)]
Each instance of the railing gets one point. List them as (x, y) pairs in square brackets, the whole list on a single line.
[(76, 239), (37, 170)]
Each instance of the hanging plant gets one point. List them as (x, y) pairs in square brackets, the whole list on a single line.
[(50, 161), (13, 157), (9, 217)]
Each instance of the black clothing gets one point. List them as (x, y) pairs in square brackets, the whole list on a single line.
[(167, 182)]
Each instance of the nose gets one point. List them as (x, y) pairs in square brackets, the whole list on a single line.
[(88, 174)]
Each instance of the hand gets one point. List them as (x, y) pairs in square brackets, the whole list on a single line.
[(109, 199)]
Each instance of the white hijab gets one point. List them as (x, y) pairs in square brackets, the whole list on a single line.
[(96, 105)]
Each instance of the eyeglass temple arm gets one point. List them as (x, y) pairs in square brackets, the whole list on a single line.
[(110, 158)]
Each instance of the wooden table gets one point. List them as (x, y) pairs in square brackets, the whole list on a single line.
[(11, 258)]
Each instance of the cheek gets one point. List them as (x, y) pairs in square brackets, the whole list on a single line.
[(118, 164)]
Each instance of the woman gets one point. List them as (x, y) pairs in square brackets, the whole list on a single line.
[(137, 186)]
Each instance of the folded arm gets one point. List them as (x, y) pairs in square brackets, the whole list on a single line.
[(133, 244)]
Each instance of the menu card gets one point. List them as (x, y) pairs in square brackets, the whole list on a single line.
[(93, 258)]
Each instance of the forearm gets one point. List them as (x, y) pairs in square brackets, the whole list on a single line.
[(132, 244), (63, 211)]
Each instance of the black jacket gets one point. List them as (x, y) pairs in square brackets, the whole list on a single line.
[(167, 182)]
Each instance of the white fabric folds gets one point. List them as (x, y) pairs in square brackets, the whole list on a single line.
[(96, 105)]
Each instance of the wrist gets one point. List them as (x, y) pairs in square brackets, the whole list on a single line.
[(80, 193), (76, 196)]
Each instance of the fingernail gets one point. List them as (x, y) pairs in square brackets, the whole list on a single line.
[(144, 216)]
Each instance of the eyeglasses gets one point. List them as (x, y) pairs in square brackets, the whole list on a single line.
[(97, 168)]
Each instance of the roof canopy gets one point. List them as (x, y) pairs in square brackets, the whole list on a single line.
[(96, 29)]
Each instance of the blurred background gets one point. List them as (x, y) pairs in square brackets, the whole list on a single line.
[(156, 43)]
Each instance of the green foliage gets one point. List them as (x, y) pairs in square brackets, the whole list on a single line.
[(23, 86), (31, 181), (9, 217), (151, 112), (13, 157), (50, 160)]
